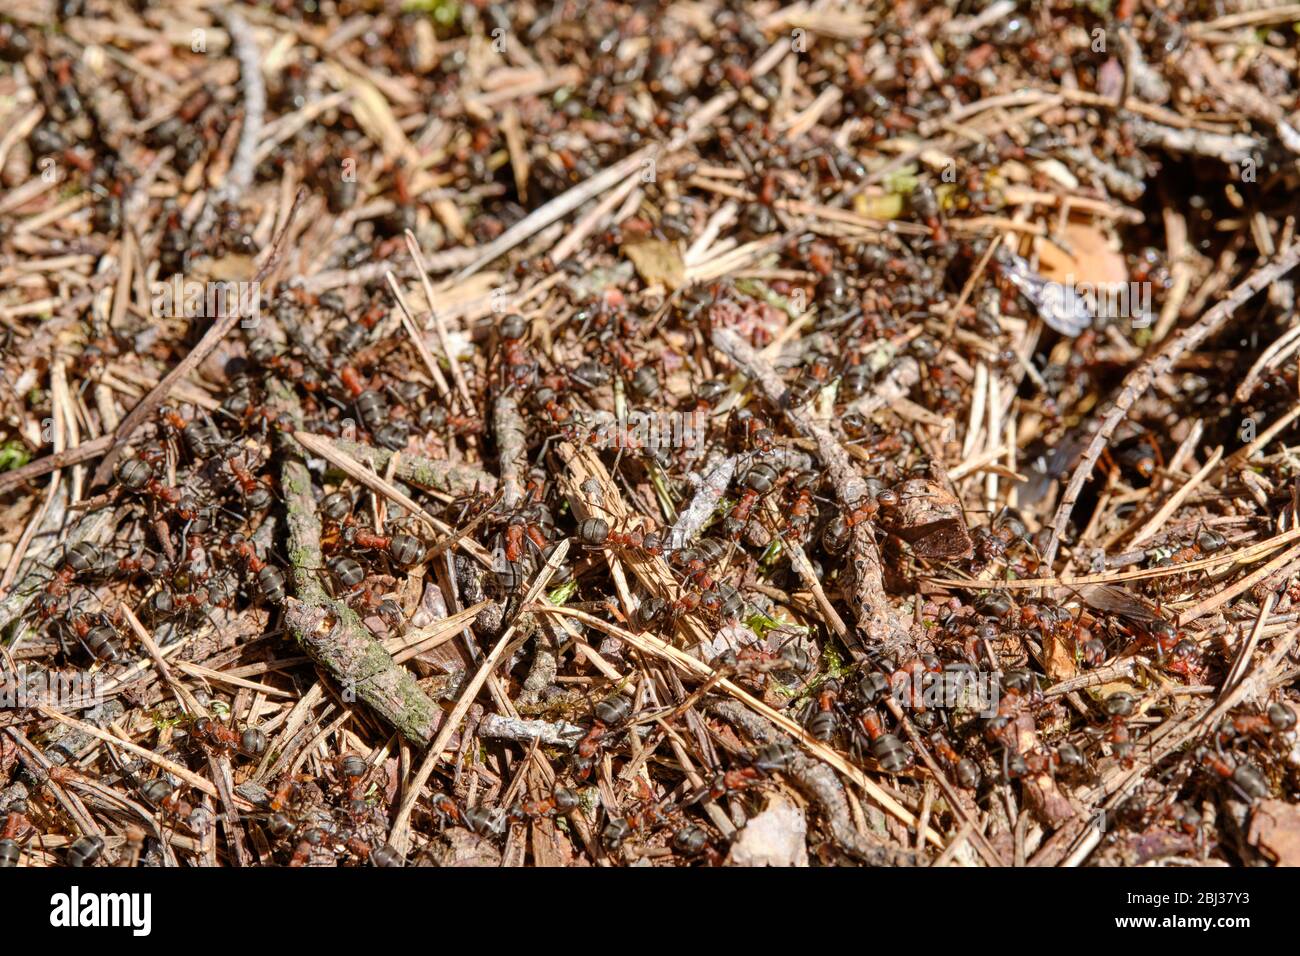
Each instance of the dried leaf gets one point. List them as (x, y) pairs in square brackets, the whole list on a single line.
[(1275, 831), (775, 837), (930, 519), (1058, 657), (1090, 258), (658, 262)]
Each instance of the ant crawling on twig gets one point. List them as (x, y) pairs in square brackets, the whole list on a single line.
[(83, 561), (824, 713), (218, 738), (96, 634), (648, 815), (270, 580), (200, 435), (561, 801), (779, 755), (760, 658), (1244, 777), (1270, 732), (609, 714)]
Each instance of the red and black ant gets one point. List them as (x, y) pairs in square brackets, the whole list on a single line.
[(779, 755), (1244, 777), (519, 368), (96, 635), (814, 377), (216, 736), (609, 714), (1276, 720), (1118, 707), (137, 477), (964, 769), (256, 492), (753, 430), (596, 532), (801, 506), (16, 832), (891, 753), (271, 581), (760, 479), (561, 801), (406, 550), (200, 436)]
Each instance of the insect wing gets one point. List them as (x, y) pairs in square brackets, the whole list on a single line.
[(1117, 600), (1060, 306)]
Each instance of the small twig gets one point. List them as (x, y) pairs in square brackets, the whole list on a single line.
[(42, 466), (868, 598), (413, 331), (240, 175), (512, 449), (332, 634), (707, 496), (557, 208), (439, 324), (434, 474), (559, 734)]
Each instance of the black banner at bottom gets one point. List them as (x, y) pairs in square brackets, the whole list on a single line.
[(342, 906)]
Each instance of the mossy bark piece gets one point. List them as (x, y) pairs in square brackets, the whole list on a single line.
[(334, 636), (449, 477)]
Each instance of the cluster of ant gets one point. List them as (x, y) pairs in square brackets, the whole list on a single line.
[(647, 815), (201, 490)]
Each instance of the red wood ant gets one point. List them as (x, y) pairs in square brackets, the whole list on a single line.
[(447, 810), (1244, 777), (753, 430), (256, 492), (407, 550), (728, 783), (890, 752), (81, 559), (759, 480), (649, 815), (561, 801), (218, 737), (311, 840), (1117, 707), (812, 379), (100, 639), (800, 507), (1276, 720), (778, 755), (1207, 542), (965, 770), (201, 437), (596, 532), (1141, 455), (138, 477), (17, 831), (518, 528), (520, 367), (608, 714), (270, 579), (822, 713)]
